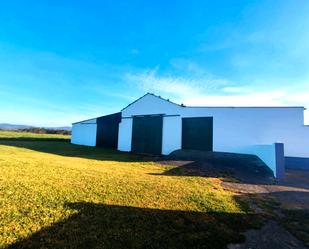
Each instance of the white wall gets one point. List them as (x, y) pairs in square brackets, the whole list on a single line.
[(84, 134), (234, 128), (125, 134), (150, 104), (296, 142), (171, 135)]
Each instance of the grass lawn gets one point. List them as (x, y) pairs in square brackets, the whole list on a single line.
[(57, 195), (12, 135)]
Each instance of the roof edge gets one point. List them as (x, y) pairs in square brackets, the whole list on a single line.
[(157, 96), (182, 105), (83, 120), (94, 118), (299, 107)]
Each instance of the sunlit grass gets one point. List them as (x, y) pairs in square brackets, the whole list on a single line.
[(36, 186), (28, 135)]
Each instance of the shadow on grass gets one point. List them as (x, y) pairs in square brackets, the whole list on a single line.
[(112, 226), (246, 168), (63, 147), (109, 226)]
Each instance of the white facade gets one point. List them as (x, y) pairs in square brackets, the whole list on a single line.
[(250, 130), (84, 133), (235, 129), (171, 134), (125, 134)]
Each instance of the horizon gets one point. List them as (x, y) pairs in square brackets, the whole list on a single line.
[(63, 62), (14, 124)]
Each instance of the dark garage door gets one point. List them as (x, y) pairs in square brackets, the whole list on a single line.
[(107, 135), (147, 134), (197, 133), (107, 130)]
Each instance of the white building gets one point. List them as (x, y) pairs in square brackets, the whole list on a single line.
[(155, 125)]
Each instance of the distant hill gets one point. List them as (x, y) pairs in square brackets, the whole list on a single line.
[(64, 128), (6, 126)]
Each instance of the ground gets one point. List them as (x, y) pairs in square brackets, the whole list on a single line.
[(283, 204), (57, 195), (286, 206)]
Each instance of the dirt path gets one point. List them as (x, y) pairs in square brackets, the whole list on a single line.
[(271, 236), (292, 194)]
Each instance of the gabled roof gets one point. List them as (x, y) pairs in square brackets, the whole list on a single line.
[(159, 97), (105, 118), (182, 105), (83, 121)]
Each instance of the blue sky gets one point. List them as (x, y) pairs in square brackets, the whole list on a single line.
[(63, 61)]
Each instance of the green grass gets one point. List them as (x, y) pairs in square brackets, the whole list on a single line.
[(14, 135), (57, 195)]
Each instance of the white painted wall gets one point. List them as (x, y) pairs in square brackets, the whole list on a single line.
[(251, 130), (171, 135), (234, 127), (150, 104), (125, 134), (84, 133), (296, 142)]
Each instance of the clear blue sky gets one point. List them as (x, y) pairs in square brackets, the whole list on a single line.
[(63, 61)]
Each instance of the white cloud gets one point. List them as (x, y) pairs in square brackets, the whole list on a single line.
[(187, 65), (234, 89), (150, 81), (213, 91)]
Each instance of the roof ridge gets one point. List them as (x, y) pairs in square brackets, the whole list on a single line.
[(148, 93)]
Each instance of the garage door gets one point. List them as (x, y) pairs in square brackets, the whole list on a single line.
[(197, 133), (107, 135), (107, 130), (147, 134)]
